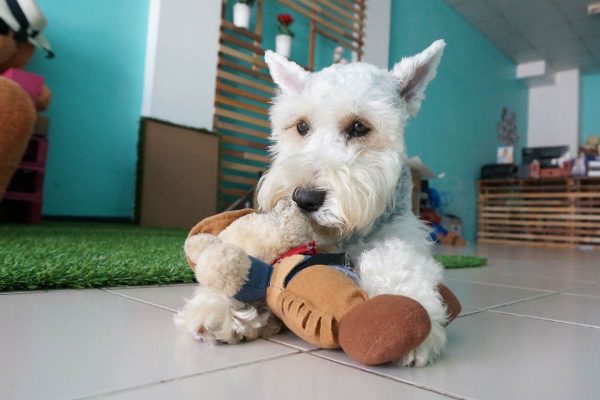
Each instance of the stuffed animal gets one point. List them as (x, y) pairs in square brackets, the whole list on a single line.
[(243, 260), (18, 102)]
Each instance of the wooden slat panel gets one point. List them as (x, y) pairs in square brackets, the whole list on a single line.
[(223, 87), (256, 74), (241, 129), (521, 243), (577, 217), (225, 38), (312, 4), (545, 230), (321, 21), (484, 221), (348, 13), (242, 56), (241, 117), (233, 192), (247, 156), (539, 195), (243, 142), (244, 106), (242, 167), (531, 236), (239, 179), (244, 81), (338, 40), (558, 212), (542, 209), (225, 24)]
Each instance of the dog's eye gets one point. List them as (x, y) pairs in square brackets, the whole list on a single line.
[(302, 127), (357, 129)]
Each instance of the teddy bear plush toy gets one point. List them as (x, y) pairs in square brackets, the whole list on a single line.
[(243, 259), (21, 93)]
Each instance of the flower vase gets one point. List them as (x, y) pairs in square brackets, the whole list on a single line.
[(241, 15), (283, 44)]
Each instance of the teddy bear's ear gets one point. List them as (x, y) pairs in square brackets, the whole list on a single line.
[(414, 74), (289, 76)]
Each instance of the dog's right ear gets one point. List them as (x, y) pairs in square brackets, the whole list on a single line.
[(414, 74), (288, 75)]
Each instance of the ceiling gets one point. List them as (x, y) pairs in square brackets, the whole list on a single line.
[(558, 31)]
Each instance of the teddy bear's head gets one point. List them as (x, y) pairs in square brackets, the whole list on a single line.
[(14, 54), (21, 23)]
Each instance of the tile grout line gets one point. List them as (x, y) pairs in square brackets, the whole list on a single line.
[(356, 367), (546, 319), (591, 296), (139, 300), (523, 300), (183, 377), (512, 286)]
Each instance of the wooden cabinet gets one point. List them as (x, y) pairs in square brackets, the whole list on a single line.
[(559, 212)]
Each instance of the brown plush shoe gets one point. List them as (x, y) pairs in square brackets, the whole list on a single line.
[(314, 301), (383, 329), (453, 306)]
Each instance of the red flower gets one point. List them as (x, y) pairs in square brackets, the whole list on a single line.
[(285, 19)]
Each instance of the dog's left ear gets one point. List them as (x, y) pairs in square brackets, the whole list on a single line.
[(414, 74), (288, 75)]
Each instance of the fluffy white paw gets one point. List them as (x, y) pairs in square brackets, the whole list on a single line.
[(213, 317), (195, 245), (427, 351)]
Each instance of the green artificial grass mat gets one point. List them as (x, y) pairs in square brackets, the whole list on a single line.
[(59, 255), (83, 255), (456, 261)]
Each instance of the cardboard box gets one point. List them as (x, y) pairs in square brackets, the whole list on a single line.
[(418, 172), (177, 175)]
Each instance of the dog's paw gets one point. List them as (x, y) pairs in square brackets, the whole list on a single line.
[(427, 351), (195, 245), (212, 317)]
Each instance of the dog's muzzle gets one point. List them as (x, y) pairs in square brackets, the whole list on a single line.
[(309, 199)]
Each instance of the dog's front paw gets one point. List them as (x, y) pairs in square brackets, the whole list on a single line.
[(212, 317), (195, 245), (427, 351)]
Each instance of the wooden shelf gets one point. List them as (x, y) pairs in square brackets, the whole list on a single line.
[(553, 212)]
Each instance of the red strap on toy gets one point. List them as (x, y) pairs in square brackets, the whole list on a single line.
[(308, 249)]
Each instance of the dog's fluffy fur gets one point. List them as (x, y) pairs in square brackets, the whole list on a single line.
[(367, 205)]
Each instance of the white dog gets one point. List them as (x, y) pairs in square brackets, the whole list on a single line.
[(338, 152)]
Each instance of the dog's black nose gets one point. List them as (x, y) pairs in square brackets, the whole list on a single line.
[(308, 199)]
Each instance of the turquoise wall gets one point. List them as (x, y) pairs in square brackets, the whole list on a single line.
[(455, 131), (589, 107), (97, 83)]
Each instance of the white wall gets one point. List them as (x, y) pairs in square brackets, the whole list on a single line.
[(554, 112), (181, 61), (377, 33)]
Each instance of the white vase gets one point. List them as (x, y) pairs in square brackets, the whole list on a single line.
[(241, 15), (283, 45)]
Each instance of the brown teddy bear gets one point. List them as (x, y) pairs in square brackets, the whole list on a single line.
[(21, 22), (243, 259)]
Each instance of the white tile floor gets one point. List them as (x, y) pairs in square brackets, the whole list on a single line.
[(530, 329)]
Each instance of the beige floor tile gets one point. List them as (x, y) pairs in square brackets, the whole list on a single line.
[(66, 344), (300, 377), (498, 356)]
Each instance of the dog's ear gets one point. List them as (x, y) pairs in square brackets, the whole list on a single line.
[(414, 74), (288, 75)]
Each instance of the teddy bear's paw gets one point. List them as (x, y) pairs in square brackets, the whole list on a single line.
[(212, 317), (427, 351), (195, 245)]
